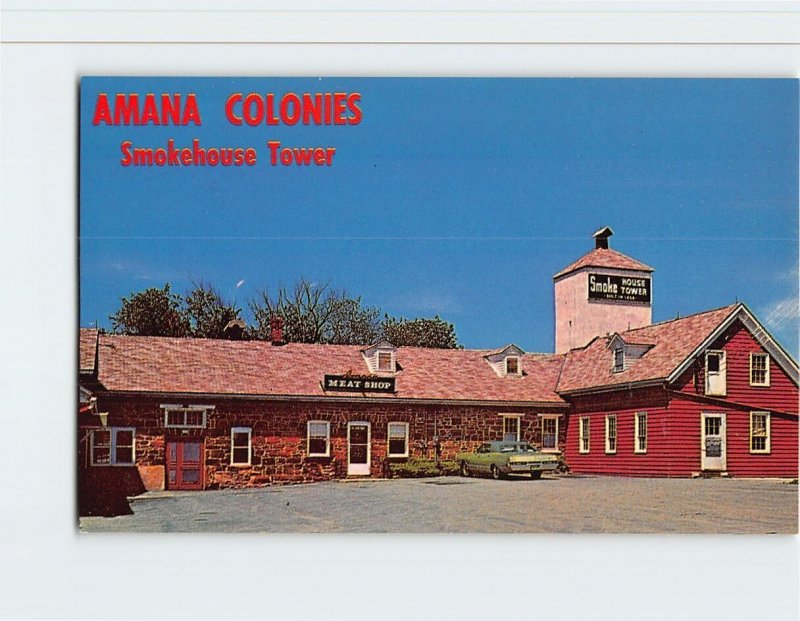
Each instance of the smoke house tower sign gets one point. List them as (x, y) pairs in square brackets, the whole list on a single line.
[(624, 288)]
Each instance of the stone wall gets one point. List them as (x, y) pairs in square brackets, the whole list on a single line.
[(279, 442)]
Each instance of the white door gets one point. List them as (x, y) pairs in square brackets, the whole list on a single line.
[(716, 374), (358, 445), (712, 447)]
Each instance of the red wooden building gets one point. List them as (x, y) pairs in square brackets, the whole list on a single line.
[(708, 393)]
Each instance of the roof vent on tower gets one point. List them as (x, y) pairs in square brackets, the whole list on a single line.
[(601, 237)]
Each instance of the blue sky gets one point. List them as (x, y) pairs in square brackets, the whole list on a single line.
[(460, 197)]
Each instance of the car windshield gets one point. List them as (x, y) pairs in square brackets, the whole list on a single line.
[(527, 448)]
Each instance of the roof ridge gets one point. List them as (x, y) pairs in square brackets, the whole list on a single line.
[(480, 350), (666, 321)]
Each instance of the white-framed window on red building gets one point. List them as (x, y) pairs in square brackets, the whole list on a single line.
[(584, 439), (319, 438), (640, 432), (398, 439), (759, 369), (113, 446), (611, 433), (549, 433), (759, 432), (241, 446), (511, 424)]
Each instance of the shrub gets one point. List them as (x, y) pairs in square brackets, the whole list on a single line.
[(418, 467)]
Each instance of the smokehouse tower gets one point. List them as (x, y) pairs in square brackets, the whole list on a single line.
[(601, 293)]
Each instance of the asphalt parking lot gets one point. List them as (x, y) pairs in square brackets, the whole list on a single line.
[(456, 505)]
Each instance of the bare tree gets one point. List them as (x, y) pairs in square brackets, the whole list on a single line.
[(315, 314)]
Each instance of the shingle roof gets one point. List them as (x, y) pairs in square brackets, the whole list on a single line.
[(605, 257), (88, 341), (257, 368), (673, 342), (164, 365)]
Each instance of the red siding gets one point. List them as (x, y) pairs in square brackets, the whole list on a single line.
[(780, 462), (672, 441), (673, 438), (738, 344)]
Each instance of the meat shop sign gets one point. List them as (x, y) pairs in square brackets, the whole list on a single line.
[(359, 383), (623, 288)]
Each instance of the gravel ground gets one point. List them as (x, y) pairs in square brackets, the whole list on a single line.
[(572, 504)]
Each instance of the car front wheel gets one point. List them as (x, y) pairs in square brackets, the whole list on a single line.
[(464, 469), (495, 472)]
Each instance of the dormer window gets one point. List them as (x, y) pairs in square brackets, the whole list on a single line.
[(385, 361), (624, 354), (381, 357), (619, 360), (506, 361), (512, 365)]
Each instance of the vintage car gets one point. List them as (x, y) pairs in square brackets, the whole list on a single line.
[(500, 459)]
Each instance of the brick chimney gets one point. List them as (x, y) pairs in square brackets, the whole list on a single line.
[(601, 237), (276, 326)]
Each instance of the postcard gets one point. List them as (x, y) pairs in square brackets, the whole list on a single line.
[(438, 305)]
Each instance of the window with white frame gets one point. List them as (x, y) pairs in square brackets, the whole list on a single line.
[(113, 446), (611, 433), (385, 361), (640, 432), (511, 428), (759, 432), (241, 446), (319, 438), (512, 365), (192, 417), (398, 439), (584, 435), (549, 433), (759, 369)]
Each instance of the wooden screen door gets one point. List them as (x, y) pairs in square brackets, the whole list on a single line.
[(358, 449), (185, 464), (712, 447)]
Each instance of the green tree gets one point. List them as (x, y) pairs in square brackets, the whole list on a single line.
[(350, 322), (208, 313), (420, 332), (152, 312)]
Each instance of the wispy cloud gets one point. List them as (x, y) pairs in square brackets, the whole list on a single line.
[(140, 271), (782, 313)]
